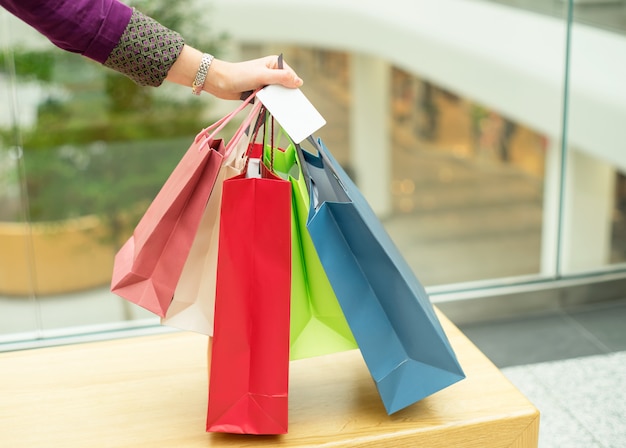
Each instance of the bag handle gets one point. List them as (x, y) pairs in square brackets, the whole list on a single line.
[(302, 161), (259, 123), (243, 129), (322, 179), (222, 122), (269, 117)]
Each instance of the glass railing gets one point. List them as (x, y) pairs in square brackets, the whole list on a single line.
[(510, 175)]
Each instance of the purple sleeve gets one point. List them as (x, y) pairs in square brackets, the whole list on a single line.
[(89, 27)]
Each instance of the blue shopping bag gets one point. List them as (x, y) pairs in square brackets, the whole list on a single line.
[(388, 311)]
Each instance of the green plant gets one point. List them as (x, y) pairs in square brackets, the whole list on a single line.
[(30, 64), (102, 144)]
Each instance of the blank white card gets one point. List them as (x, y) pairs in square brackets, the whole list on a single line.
[(293, 111)]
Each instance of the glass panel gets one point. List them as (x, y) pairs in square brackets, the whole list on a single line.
[(96, 150), (19, 317), (609, 15), (475, 152), (19, 314), (468, 182), (556, 8), (469, 149), (594, 220)]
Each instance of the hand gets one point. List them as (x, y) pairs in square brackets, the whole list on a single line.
[(228, 80)]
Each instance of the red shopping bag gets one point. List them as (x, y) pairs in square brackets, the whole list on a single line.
[(250, 355), (147, 267)]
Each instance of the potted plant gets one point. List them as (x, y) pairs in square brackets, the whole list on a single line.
[(99, 151)]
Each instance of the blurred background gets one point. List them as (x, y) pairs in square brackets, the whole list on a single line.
[(487, 135)]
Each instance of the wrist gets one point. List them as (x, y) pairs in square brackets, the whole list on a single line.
[(214, 83)]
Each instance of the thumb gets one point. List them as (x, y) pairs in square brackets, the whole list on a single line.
[(286, 78)]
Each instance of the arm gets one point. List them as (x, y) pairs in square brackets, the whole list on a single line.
[(88, 27), (134, 44)]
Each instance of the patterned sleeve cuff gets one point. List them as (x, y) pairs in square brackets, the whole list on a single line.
[(146, 51)]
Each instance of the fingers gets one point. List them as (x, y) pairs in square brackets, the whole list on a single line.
[(292, 80), (228, 80), (271, 61), (285, 76)]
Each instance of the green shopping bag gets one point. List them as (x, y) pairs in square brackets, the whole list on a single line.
[(318, 326)]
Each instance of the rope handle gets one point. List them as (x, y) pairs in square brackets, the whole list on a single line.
[(222, 122), (243, 129)]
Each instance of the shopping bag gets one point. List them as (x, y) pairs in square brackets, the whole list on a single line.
[(318, 326), (249, 371), (389, 312), (192, 307), (147, 267)]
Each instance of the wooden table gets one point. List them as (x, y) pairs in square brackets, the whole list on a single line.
[(151, 392)]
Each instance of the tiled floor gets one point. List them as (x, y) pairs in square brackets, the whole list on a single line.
[(582, 401), (571, 365), (584, 331)]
